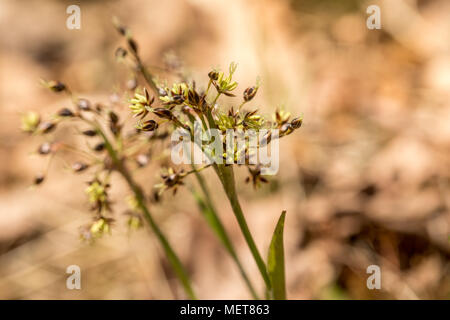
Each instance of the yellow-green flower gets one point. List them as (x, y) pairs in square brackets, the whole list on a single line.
[(100, 227), (96, 192), (226, 84), (141, 104), (30, 121)]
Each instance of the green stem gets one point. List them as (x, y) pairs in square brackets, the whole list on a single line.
[(226, 176), (140, 198), (216, 223)]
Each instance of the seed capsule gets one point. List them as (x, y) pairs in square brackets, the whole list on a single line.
[(149, 125), (79, 166), (65, 112), (90, 133), (120, 53), (56, 86), (296, 123), (178, 99), (47, 127), (45, 148), (250, 93), (213, 75), (133, 45), (39, 179), (194, 98), (113, 117), (84, 105), (99, 147), (163, 113)]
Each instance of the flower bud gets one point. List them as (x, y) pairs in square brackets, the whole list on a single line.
[(65, 112), (194, 98), (113, 117), (39, 179), (163, 113), (84, 105), (296, 123), (213, 75), (47, 127), (149, 125), (56, 86), (133, 45), (90, 133), (178, 99), (79, 166), (99, 147), (250, 93)]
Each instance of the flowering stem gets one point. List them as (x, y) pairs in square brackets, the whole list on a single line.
[(140, 198), (217, 225), (226, 176)]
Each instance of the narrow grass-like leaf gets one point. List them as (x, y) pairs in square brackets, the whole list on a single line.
[(275, 261)]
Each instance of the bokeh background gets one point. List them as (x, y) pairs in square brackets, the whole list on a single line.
[(364, 181)]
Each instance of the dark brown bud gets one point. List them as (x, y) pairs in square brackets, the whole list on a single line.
[(178, 99), (163, 113), (84, 105), (120, 53), (65, 112), (149, 125), (99, 147), (133, 45), (296, 123), (213, 75), (47, 127), (113, 117), (90, 133), (39, 179), (194, 98), (45, 148), (56, 86), (250, 93), (79, 166)]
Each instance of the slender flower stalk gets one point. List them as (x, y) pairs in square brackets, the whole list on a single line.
[(226, 177), (140, 198)]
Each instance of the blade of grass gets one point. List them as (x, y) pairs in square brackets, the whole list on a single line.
[(275, 261)]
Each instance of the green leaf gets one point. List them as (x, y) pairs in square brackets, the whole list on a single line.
[(275, 261)]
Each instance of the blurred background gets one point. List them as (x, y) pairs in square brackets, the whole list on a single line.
[(364, 181)]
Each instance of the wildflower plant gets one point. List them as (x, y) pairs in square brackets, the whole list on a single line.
[(159, 110)]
